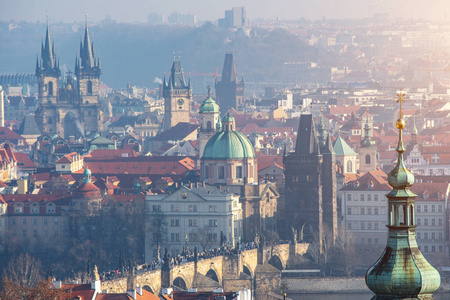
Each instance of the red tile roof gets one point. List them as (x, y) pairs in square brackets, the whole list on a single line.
[(23, 161)]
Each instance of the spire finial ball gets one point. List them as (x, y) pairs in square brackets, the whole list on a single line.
[(400, 124)]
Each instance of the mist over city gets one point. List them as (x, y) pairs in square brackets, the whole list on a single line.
[(224, 149)]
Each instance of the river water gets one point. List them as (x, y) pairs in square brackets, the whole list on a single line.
[(350, 296)]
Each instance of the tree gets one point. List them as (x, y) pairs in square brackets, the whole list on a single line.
[(344, 253), (158, 230), (25, 271), (41, 291), (206, 237)]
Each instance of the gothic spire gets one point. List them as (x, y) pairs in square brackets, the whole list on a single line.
[(47, 52), (86, 51)]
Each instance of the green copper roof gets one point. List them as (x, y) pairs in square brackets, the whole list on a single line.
[(402, 272), (228, 118), (209, 106), (341, 147), (400, 177), (228, 145)]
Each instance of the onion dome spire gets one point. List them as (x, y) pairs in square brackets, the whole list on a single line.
[(402, 272), (367, 141)]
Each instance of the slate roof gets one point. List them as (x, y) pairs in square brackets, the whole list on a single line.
[(177, 132), (29, 126)]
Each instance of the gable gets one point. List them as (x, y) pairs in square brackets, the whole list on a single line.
[(184, 194)]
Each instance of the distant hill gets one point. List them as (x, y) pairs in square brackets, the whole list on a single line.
[(140, 53)]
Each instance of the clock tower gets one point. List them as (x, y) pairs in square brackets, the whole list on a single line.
[(177, 97)]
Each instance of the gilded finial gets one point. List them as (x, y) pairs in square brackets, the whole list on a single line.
[(321, 110), (400, 99), (209, 90)]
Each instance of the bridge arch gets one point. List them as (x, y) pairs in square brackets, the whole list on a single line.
[(247, 270), (180, 282), (148, 288), (212, 274), (276, 262)]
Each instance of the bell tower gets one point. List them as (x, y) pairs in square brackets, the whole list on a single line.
[(177, 97), (368, 150), (88, 71), (47, 73), (209, 120)]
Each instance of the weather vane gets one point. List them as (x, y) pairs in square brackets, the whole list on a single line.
[(400, 99)]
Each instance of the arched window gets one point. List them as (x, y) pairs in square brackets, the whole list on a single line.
[(367, 159), (208, 125), (89, 87), (206, 171), (50, 88), (239, 172), (349, 166), (221, 172)]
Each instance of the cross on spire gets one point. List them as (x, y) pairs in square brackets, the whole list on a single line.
[(400, 99)]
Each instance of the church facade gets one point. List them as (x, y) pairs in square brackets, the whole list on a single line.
[(68, 106)]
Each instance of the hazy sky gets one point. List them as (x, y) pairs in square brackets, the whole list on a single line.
[(137, 10)]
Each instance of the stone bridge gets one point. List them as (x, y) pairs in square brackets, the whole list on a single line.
[(232, 273)]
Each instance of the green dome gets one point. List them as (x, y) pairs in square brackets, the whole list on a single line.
[(209, 106), (228, 145), (228, 118)]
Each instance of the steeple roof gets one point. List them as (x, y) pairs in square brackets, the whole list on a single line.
[(176, 80), (306, 138), (87, 51), (341, 148), (229, 69), (48, 63)]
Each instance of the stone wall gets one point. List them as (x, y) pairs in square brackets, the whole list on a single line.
[(325, 285)]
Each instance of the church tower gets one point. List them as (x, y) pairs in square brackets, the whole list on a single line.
[(229, 90), (368, 150), (68, 107), (47, 73), (209, 120), (177, 97), (88, 71)]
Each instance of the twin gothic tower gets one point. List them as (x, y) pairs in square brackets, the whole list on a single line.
[(68, 106)]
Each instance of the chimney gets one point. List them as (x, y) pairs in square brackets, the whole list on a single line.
[(139, 290), (196, 184), (23, 186), (72, 139), (132, 293)]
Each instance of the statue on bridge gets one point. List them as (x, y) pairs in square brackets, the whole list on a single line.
[(166, 263), (223, 240), (294, 235)]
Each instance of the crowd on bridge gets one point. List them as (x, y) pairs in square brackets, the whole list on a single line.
[(185, 257)]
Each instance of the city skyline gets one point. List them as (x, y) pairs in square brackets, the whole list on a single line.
[(137, 11)]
